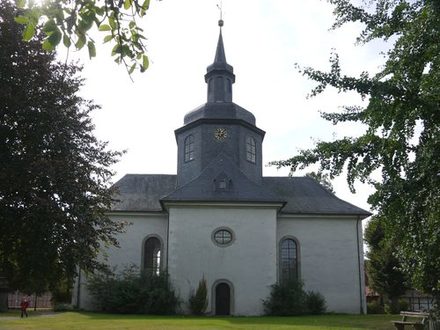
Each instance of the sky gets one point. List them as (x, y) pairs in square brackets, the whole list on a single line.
[(263, 40)]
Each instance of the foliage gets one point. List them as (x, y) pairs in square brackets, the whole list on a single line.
[(383, 267), (70, 23), (198, 302), (396, 308), (323, 179), (315, 303), (402, 136), (375, 307), (286, 299), (289, 298), (403, 305), (132, 292), (62, 307), (54, 173), (62, 293)]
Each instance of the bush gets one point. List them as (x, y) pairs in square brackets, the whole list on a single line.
[(132, 292), (315, 303), (62, 307), (395, 306), (199, 301), (403, 305), (62, 293), (291, 299), (375, 307)]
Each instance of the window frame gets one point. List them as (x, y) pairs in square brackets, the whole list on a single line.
[(188, 149), (154, 269), (225, 229), (251, 149), (296, 271)]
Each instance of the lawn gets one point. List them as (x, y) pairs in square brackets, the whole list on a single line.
[(80, 320)]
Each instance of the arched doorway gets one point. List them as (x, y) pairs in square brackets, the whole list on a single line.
[(222, 299)]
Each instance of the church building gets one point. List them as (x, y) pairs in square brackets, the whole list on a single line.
[(220, 219)]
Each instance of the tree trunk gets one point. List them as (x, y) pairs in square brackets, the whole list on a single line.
[(3, 294)]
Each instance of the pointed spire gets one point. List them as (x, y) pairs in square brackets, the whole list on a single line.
[(220, 57), (220, 75)]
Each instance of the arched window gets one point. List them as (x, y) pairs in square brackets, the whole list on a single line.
[(189, 148), (250, 149), (288, 260), (152, 255)]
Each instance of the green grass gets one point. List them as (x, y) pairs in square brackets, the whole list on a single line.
[(80, 320)]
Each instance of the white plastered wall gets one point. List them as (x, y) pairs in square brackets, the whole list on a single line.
[(249, 264), (331, 258), (139, 226)]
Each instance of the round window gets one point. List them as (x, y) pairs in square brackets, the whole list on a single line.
[(222, 236)]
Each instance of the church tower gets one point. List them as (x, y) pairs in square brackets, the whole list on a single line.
[(221, 216), (220, 220), (219, 130)]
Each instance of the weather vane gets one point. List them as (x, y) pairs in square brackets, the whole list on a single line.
[(220, 7)]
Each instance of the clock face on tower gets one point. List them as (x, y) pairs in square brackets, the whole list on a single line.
[(220, 134)]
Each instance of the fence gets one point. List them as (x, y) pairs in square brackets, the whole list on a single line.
[(418, 301), (43, 301)]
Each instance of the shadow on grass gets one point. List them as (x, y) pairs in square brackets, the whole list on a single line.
[(31, 312)]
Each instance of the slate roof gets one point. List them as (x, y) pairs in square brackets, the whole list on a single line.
[(143, 192), (306, 196), (238, 188), (221, 110)]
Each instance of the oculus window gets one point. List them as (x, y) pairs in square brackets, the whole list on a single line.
[(250, 149), (189, 148), (223, 236)]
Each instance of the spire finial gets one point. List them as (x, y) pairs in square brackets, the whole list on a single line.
[(220, 7)]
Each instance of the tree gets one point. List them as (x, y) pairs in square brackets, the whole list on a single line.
[(70, 22), (54, 173), (323, 179), (402, 139), (198, 302), (383, 267)]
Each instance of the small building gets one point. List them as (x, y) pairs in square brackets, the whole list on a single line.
[(220, 219)]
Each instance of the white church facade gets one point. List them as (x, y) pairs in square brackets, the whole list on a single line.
[(221, 220)]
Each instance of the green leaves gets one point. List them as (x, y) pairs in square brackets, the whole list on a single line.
[(21, 19), (145, 63), (54, 35), (50, 27), (66, 41), (398, 153), (105, 27), (144, 7), (20, 4), (55, 173), (127, 4), (383, 267), (108, 38), (71, 22), (81, 41), (29, 31), (91, 48)]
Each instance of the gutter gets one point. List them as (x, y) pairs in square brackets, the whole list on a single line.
[(78, 293), (168, 242), (358, 221)]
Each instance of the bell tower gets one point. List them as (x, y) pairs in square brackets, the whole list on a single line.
[(219, 127)]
